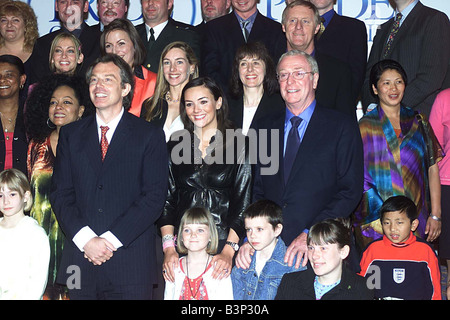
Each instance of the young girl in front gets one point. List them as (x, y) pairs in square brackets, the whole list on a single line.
[(198, 240), (327, 276), (24, 246)]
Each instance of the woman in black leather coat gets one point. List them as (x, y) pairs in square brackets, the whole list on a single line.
[(209, 166)]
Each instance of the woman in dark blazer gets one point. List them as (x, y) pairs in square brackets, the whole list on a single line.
[(253, 87), (13, 141)]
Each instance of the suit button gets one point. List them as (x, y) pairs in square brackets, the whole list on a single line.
[(100, 210), (148, 66), (285, 205), (100, 186)]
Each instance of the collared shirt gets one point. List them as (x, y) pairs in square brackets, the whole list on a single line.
[(112, 124), (158, 29), (250, 19), (306, 117), (406, 11), (76, 32), (328, 16)]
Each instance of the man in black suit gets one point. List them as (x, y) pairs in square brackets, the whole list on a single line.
[(109, 187), (224, 35), (344, 38), (421, 46), (159, 29), (301, 22), (212, 9), (320, 158), (71, 14)]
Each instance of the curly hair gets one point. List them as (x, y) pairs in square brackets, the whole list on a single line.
[(23, 10), (38, 102)]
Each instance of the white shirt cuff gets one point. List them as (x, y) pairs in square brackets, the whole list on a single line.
[(83, 236), (108, 235)]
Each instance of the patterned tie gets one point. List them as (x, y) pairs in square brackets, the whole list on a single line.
[(292, 144), (244, 29), (391, 37), (104, 142), (322, 28)]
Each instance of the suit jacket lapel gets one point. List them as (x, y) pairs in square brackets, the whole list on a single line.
[(91, 140)]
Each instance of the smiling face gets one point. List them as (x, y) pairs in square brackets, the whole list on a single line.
[(10, 81), (298, 94), (12, 28), (252, 71), (390, 89), (245, 8), (64, 107), (196, 237), (109, 10), (397, 226), (300, 28), (176, 67), (119, 42), (105, 87), (71, 12), (65, 58), (201, 108), (326, 260)]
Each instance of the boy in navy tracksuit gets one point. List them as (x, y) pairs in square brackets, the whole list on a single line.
[(400, 265)]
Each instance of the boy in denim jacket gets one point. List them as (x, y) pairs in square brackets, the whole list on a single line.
[(263, 224)]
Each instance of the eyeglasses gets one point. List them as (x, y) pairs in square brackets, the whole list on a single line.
[(298, 75)]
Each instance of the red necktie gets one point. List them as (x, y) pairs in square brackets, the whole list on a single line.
[(104, 141)]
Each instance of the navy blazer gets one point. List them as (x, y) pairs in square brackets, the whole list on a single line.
[(326, 180), (123, 194), (223, 36), (422, 47), (345, 38)]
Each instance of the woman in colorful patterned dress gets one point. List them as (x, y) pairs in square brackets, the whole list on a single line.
[(53, 103), (401, 154)]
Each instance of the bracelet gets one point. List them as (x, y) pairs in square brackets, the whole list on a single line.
[(432, 216), (168, 241)]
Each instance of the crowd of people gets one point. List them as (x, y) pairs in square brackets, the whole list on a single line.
[(224, 160)]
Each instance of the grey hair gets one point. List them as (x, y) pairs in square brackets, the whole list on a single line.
[(311, 60)]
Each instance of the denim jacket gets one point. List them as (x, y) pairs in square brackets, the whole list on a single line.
[(248, 286)]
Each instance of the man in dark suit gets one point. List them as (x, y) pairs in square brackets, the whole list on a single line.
[(344, 38), (422, 46), (159, 29), (320, 157), (301, 22), (212, 9), (109, 187), (225, 34), (71, 14)]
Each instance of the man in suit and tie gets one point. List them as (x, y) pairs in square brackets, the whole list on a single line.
[(418, 37), (301, 22), (344, 38), (224, 35), (159, 29), (109, 187), (71, 14), (320, 158)]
